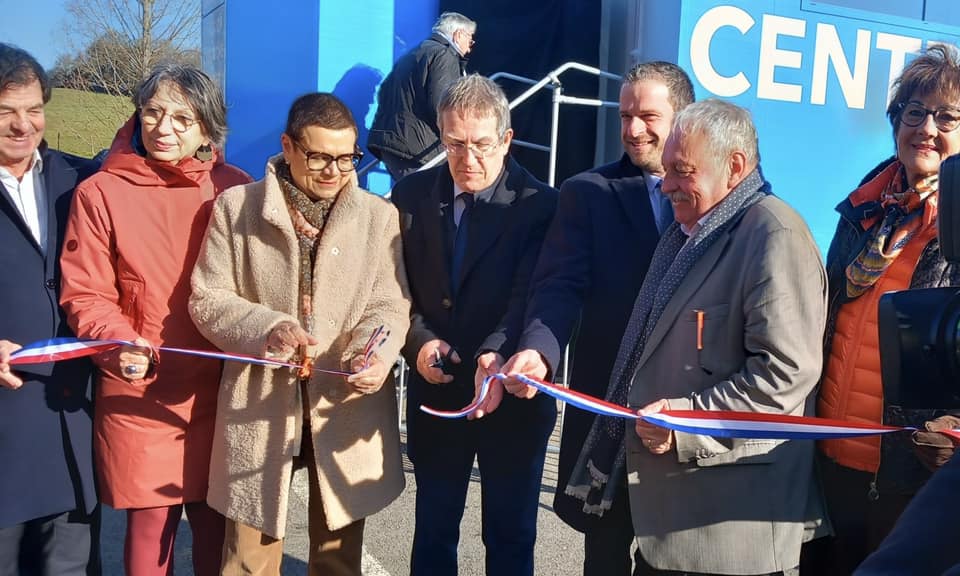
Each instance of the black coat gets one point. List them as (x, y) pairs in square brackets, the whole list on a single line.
[(45, 426), (405, 124), (504, 240), (591, 268), (924, 538)]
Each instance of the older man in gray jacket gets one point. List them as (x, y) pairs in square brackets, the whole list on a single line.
[(730, 317)]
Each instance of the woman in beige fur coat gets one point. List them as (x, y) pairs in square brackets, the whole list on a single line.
[(303, 263)]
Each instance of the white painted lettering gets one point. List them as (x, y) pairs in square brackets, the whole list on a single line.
[(772, 57), (703, 32), (899, 47), (829, 50)]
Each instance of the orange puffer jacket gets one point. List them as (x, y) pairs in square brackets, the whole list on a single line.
[(851, 387)]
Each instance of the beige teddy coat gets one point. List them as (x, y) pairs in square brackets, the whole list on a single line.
[(244, 284)]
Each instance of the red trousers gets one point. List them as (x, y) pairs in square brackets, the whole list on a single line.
[(152, 532)]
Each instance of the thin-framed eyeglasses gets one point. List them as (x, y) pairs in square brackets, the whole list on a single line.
[(470, 36), (318, 161), (479, 151), (914, 114), (180, 123)]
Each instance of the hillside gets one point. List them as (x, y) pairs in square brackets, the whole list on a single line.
[(84, 123)]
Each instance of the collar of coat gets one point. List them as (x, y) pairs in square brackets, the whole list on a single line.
[(274, 208)]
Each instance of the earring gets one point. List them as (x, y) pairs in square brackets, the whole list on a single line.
[(204, 153)]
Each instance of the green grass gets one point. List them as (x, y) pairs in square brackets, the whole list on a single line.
[(84, 123)]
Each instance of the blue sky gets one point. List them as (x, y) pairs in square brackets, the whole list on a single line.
[(37, 26)]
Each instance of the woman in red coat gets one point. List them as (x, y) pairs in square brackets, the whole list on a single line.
[(132, 238)]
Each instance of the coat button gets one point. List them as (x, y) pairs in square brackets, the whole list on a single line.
[(446, 303), (331, 323), (51, 284), (335, 251)]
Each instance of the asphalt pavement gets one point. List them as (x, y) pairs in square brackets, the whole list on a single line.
[(389, 534)]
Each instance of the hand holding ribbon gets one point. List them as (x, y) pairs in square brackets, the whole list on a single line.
[(7, 378), (285, 339), (527, 362), (133, 362), (657, 439), (488, 365)]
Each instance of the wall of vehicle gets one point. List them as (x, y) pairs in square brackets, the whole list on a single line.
[(815, 75)]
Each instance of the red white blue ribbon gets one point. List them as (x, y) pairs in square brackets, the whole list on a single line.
[(719, 423), (58, 349), (484, 389)]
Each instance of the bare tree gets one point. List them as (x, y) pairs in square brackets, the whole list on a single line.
[(117, 42)]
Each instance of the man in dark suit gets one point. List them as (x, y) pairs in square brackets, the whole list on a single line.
[(472, 231), (593, 263), (404, 134), (48, 505)]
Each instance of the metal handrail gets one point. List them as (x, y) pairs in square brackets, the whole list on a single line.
[(553, 79)]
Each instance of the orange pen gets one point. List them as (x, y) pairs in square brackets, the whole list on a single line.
[(700, 317)]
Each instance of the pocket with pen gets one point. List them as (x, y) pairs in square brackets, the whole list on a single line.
[(708, 337)]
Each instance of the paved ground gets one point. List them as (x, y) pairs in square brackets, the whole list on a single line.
[(388, 534)]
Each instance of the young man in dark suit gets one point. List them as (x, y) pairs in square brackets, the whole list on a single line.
[(594, 260), (472, 231), (48, 505)]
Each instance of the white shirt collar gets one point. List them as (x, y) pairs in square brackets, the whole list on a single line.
[(690, 232), (36, 164)]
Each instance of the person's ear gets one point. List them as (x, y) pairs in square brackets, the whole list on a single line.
[(289, 150), (508, 137), (737, 165)]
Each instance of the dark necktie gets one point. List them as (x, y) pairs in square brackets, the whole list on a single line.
[(665, 217), (460, 240)]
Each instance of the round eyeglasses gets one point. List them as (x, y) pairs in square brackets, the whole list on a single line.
[(180, 123), (318, 161), (914, 114)]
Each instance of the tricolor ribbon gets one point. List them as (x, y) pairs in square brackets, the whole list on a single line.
[(719, 423), (58, 349)]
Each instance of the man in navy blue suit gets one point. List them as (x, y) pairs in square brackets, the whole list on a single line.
[(472, 230), (48, 505), (593, 262)]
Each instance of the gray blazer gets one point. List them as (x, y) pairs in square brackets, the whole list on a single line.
[(733, 506)]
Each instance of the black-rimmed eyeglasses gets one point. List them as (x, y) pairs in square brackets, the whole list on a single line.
[(914, 114), (318, 161)]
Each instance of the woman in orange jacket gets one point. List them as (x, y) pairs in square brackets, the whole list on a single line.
[(886, 240), (132, 238)]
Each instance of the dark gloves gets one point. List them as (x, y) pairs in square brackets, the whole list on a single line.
[(932, 448)]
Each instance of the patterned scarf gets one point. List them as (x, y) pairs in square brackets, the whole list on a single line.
[(600, 467), (308, 217), (902, 219)]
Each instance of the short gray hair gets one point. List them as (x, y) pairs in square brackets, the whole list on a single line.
[(725, 127), (450, 22), (476, 96), (200, 91)]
